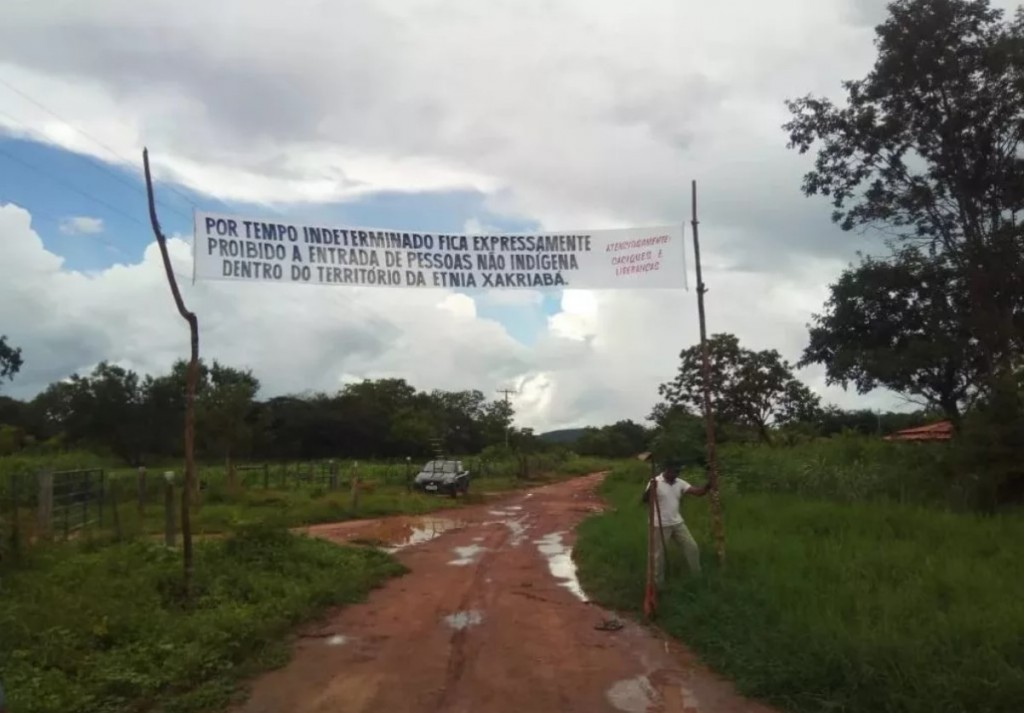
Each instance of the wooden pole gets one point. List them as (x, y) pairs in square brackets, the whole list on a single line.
[(188, 492), (717, 526), (169, 512), (355, 488)]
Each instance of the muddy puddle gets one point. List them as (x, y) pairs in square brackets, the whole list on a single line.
[(466, 555), (419, 531), (560, 564), (634, 695), (464, 619)]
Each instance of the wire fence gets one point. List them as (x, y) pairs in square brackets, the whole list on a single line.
[(61, 505)]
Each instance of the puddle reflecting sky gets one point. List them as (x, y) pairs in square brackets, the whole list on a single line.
[(560, 564), (424, 531), (466, 555)]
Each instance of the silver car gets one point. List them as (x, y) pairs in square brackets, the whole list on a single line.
[(442, 476)]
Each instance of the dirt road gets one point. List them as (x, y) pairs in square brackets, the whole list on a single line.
[(490, 619)]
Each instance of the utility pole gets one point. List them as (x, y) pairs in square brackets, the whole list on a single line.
[(717, 528), (508, 425)]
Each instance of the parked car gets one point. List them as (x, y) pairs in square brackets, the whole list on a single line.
[(442, 476)]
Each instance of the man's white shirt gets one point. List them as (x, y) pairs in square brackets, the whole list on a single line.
[(668, 499)]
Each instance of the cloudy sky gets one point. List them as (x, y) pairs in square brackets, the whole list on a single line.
[(445, 115)]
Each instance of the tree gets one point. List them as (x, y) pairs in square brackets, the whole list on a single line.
[(496, 421), (226, 400), (10, 359), (620, 440), (929, 148), (898, 324), (164, 408), (833, 420), (102, 409), (754, 389), (681, 437)]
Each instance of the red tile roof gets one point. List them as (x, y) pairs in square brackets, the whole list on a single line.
[(941, 431)]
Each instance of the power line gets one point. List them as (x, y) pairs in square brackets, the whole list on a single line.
[(81, 132), (106, 169), (70, 186)]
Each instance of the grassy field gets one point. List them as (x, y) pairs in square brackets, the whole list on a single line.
[(276, 495), (831, 606), (105, 630), (849, 468)]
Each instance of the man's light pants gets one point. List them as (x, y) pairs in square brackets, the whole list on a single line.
[(682, 537)]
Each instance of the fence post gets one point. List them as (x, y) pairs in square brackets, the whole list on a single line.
[(114, 514), (408, 468), (266, 476), (14, 541), (355, 487), (333, 475), (45, 507), (169, 521), (103, 494), (141, 487)]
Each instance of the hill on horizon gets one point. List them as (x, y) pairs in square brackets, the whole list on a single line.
[(564, 435)]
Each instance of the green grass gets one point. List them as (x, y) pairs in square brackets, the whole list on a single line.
[(105, 631), (825, 606), (99, 627), (287, 501), (848, 468)]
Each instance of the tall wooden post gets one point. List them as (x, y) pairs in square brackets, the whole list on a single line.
[(718, 528), (189, 491)]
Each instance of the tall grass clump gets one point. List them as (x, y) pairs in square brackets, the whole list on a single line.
[(845, 468), (837, 606)]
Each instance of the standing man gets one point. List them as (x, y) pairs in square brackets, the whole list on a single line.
[(670, 488)]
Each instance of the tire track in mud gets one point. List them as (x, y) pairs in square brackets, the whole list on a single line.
[(487, 620)]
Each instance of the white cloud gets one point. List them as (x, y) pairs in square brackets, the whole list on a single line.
[(601, 358), (570, 113), (81, 225), (573, 112)]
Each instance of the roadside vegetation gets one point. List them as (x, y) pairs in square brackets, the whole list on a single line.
[(96, 619), (839, 604), (93, 627)]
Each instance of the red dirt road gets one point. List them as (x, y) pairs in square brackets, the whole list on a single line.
[(487, 620)]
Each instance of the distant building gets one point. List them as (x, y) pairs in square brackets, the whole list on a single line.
[(941, 431)]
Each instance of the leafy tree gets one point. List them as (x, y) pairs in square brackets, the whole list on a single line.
[(458, 415), (164, 408), (988, 450), (496, 420), (898, 324), (102, 409), (749, 388), (620, 440), (10, 359), (929, 147), (226, 400), (833, 420), (681, 437)]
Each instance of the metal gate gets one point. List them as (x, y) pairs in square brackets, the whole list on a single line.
[(78, 499)]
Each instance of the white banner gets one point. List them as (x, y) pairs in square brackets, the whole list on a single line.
[(231, 247)]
